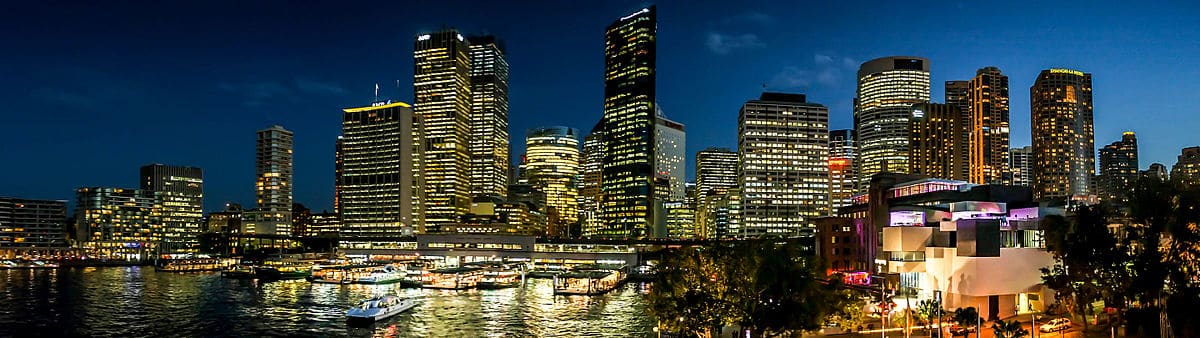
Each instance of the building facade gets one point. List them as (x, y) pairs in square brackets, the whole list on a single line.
[(489, 117), (629, 118), (591, 170), (382, 187), (888, 87), (1118, 169), (988, 126), (783, 144), (29, 226), (1064, 159), (552, 165), (670, 155), (1187, 166), (958, 94), (1156, 170), (182, 192), (935, 141), (273, 166), (442, 87), (1020, 166), (122, 224), (842, 179), (716, 176)]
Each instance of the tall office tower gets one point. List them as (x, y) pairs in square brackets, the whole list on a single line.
[(489, 117), (117, 223), (841, 168), (935, 141), (1064, 159), (670, 152), (783, 171), (1156, 170), (382, 185), (442, 86), (716, 176), (591, 170), (727, 215), (1118, 169), (552, 165), (887, 89), (958, 95), (28, 224), (988, 126), (629, 119), (273, 166), (182, 192), (1187, 166), (338, 160), (1020, 166)]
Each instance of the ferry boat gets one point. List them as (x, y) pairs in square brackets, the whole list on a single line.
[(499, 276), (452, 278), (22, 264), (238, 272), (385, 274), (379, 308), (192, 265), (589, 281)]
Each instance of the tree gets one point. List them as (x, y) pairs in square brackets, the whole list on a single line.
[(691, 292), (1089, 263), (966, 317), (847, 308), (1009, 329), (784, 295), (928, 310)]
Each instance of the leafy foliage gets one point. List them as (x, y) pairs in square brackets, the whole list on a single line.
[(1009, 329), (966, 317)]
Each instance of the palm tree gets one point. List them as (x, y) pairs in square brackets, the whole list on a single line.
[(1009, 329)]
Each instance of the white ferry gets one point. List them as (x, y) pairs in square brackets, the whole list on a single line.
[(379, 308)]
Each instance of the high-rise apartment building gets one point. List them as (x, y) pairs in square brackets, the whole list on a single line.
[(442, 87), (273, 168), (182, 193), (783, 144), (489, 117), (1187, 166), (1020, 166), (716, 176), (887, 89), (1064, 158), (958, 94), (670, 152), (629, 119), (841, 168), (935, 141), (591, 170), (381, 178), (988, 128), (552, 166), (1118, 169), (117, 223), (31, 225)]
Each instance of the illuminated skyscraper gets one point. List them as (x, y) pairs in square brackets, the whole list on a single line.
[(841, 168), (783, 142), (119, 223), (670, 152), (338, 162), (935, 141), (182, 193), (273, 165), (1064, 158), (887, 89), (591, 167), (958, 94), (381, 181), (716, 176), (1020, 166), (442, 86), (1187, 166), (988, 126), (552, 166), (629, 120), (1118, 169), (489, 117)]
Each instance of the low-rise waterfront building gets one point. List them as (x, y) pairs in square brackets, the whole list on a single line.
[(30, 226)]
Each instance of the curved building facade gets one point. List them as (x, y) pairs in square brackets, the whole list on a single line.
[(552, 165), (887, 89), (1064, 158)]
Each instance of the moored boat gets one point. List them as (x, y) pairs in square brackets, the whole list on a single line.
[(385, 274), (238, 272), (379, 308)]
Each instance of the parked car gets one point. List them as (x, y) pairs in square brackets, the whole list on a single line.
[(961, 330), (1053, 325)]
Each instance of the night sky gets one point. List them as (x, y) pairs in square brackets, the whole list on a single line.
[(91, 92)]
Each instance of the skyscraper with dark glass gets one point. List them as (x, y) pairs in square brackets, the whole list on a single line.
[(629, 120), (489, 117), (1118, 169), (1064, 158), (1020, 166), (988, 126), (442, 87), (591, 170), (381, 181), (935, 141), (182, 193), (888, 87)]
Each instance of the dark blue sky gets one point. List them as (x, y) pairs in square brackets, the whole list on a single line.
[(91, 92)]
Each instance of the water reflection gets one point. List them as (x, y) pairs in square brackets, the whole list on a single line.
[(137, 301)]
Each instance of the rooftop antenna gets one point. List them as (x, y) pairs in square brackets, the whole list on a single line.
[(377, 92)]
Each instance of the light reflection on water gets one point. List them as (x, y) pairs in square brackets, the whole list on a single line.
[(137, 301)]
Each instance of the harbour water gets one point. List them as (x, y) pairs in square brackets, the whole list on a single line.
[(139, 302)]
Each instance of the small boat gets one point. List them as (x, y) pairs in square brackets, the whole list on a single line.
[(499, 276), (238, 272), (382, 275), (379, 308)]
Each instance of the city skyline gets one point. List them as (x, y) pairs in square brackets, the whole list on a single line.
[(238, 102)]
